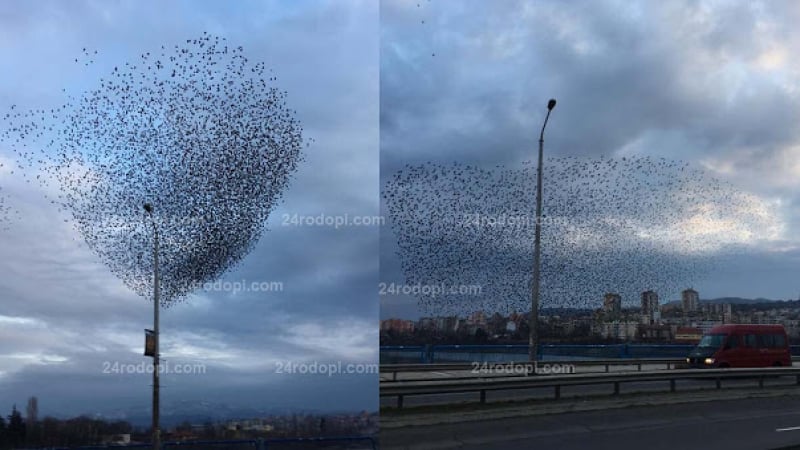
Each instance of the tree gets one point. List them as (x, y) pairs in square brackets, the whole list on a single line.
[(16, 428), (33, 430), (209, 431), (480, 335), (3, 432), (184, 426), (497, 324), (51, 429), (32, 411)]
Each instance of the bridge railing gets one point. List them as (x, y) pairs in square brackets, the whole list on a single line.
[(476, 369), (429, 354), (403, 354), (402, 389)]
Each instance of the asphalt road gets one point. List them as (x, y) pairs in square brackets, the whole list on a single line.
[(747, 424)]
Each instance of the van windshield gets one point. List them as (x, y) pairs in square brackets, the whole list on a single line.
[(712, 340)]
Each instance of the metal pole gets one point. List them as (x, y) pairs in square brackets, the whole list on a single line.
[(156, 301), (533, 342)]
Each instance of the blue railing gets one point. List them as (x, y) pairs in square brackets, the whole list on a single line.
[(506, 353), (290, 442), (236, 443), (392, 354)]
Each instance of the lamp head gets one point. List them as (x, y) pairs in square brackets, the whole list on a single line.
[(551, 104)]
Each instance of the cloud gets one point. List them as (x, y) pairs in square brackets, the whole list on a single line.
[(710, 83), (65, 316)]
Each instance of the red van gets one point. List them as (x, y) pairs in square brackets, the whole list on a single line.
[(742, 346)]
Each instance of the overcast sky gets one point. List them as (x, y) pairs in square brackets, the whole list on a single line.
[(711, 83), (65, 319)]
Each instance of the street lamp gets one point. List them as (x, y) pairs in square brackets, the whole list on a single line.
[(533, 342), (156, 299)]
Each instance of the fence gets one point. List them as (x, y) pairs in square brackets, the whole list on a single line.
[(400, 390), (428, 354)]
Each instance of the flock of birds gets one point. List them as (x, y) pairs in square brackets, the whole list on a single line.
[(422, 21), (619, 225), (197, 131), (4, 209)]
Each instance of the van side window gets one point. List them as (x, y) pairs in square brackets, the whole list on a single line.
[(733, 341), (766, 341), (778, 340), (750, 340)]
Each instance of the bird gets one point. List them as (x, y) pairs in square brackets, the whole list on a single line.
[(196, 130), (609, 224)]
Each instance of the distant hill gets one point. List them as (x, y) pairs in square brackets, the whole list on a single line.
[(565, 312), (195, 412), (733, 301), (739, 300)]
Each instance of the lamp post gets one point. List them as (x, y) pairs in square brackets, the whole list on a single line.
[(156, 299), (533, 342)]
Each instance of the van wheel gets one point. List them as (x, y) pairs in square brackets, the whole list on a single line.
[(724, 365), (777, 364)]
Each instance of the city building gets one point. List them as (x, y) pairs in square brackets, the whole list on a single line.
[(117, 439), (690, 300), (398, 325), (478, 318), (650, 310), (792, 327), (426, 323), (612, 303), (722, 312), (654, 333), (446, 324), (511, 326), (688, 335), (706, 325), (727, 313), (621, 330)]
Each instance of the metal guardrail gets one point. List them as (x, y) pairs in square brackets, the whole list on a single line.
[(477, 367), (401, 389)]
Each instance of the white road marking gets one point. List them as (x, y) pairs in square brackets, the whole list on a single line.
[(787, 429)]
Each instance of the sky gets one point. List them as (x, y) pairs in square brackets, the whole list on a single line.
[(710, 83), (71, 333)]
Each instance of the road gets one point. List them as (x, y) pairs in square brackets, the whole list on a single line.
[(747, 424)]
